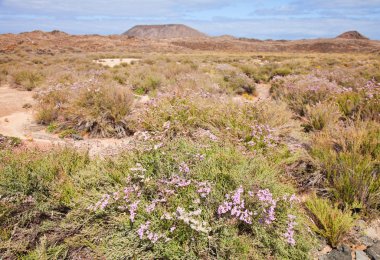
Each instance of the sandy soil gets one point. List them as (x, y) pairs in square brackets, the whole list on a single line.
[(14, 119), (263, 91), (114, 62)]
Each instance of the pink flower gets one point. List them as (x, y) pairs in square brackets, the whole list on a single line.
[(289, 234), (142, 229), (133, 209), (184, 168)]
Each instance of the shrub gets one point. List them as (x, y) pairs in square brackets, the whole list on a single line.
[(350, 156), (100, 109), (329, 221), (363, 103), (239, 83), (321, 115), (51, 104), (28, 79), (186, 115), (299, 91), (144, 83)]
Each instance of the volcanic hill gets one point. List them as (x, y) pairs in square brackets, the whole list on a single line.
[(165, 31), (353, 35)]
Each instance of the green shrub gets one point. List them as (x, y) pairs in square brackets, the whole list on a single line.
[(329, 221), (239, 83), (57, 193), (363, 104), (350, 156)]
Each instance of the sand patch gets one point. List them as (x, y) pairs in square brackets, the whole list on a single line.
[(114, 62)]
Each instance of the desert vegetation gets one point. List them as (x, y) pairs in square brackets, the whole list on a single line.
[(216, 171)]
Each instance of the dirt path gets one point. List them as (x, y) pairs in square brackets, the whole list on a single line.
[(117, 61), (263, 91), (15, 118)]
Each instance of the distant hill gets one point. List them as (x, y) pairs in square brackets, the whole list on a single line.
[(352, 35), (165, 31)]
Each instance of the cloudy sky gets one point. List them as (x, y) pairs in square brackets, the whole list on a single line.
[(263, 19)]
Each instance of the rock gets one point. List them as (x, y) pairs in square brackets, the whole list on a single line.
[(76, 137), (341, 253), (373, 230), (374, 251), (361, 255), (366, 240), (360, 225), (325, 250)]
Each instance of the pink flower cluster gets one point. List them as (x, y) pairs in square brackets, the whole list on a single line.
[(144, 229), (204, 188), (266, 197), (177, 181), (235, 205), (289, 234), (184, 168), (263, 134)]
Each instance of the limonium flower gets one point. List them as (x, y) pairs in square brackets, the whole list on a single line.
[(142, 229), (236, 206), (133, 209), (204, 188), (289, 234), (266, 197), (184, 168)]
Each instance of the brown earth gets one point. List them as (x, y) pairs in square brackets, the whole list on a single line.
[(51, 43)]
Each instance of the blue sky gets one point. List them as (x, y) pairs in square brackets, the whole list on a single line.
[(263, 19)]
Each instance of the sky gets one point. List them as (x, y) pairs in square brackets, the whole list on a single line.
[(261, 19)]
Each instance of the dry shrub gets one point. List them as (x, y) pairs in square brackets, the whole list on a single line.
[(28, 79), (50, 104), (99, 109), (321, 115)]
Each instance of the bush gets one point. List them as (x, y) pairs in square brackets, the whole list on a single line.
[(321, 115), (362, 103), (144, 83), (239, 83), (51, 105), (99, 109), (350, 156), (28, 79), (329, 221), (299, 91), (187, 115)]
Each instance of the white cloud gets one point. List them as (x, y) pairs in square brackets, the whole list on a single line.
[(113, 7)]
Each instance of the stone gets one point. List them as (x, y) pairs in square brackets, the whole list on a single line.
[(366, 240), (361, 255), (374, 251), (76, 137), (341, 253)]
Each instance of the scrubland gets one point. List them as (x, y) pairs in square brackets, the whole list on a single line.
[(220, 173)]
